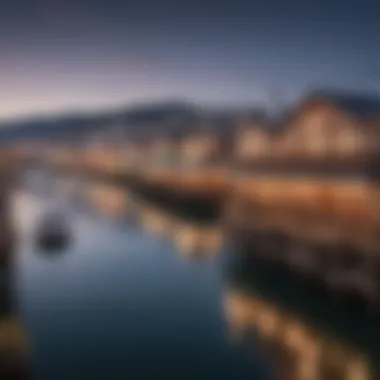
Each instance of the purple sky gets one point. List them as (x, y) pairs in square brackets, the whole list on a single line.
[(58, 55)]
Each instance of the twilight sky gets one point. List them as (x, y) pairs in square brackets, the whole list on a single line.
[(58, 55)]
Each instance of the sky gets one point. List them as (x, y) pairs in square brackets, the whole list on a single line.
[(69, 55)]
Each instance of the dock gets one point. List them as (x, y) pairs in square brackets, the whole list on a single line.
[(8, 176)]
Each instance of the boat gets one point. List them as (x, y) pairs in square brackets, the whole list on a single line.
[(53, 233)]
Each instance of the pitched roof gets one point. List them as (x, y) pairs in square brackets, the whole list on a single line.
[(358, 104)]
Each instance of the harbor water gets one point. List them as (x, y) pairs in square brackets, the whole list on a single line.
[(140, 293)]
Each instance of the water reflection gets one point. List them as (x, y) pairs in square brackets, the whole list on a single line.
[(299, 349), (304, 337), (109, 200), (197, 241), (294, 339), (118, 306), (189, 237), (13, 341), (155, 221), (308, 354)]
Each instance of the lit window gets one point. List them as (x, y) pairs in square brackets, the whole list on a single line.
[(347, 141)]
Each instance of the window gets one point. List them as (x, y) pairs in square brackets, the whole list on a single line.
[(348, 141), (315, 137)]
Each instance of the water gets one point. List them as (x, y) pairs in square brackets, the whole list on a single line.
[(121, 303), (142, 294)]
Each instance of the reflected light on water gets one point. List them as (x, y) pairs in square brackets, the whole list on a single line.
[(156, 222), (189, 238), (296, 348), (314, 356), (192, 240), (109, 200)]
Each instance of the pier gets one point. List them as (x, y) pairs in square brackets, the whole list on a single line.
[(8, 176)]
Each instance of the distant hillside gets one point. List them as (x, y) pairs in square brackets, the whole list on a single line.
[(139, 121), (52, 128)]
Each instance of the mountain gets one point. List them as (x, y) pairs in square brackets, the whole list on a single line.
[(145, 120)]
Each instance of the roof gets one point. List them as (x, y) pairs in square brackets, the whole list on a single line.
[(358, 104), (363, 106)]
